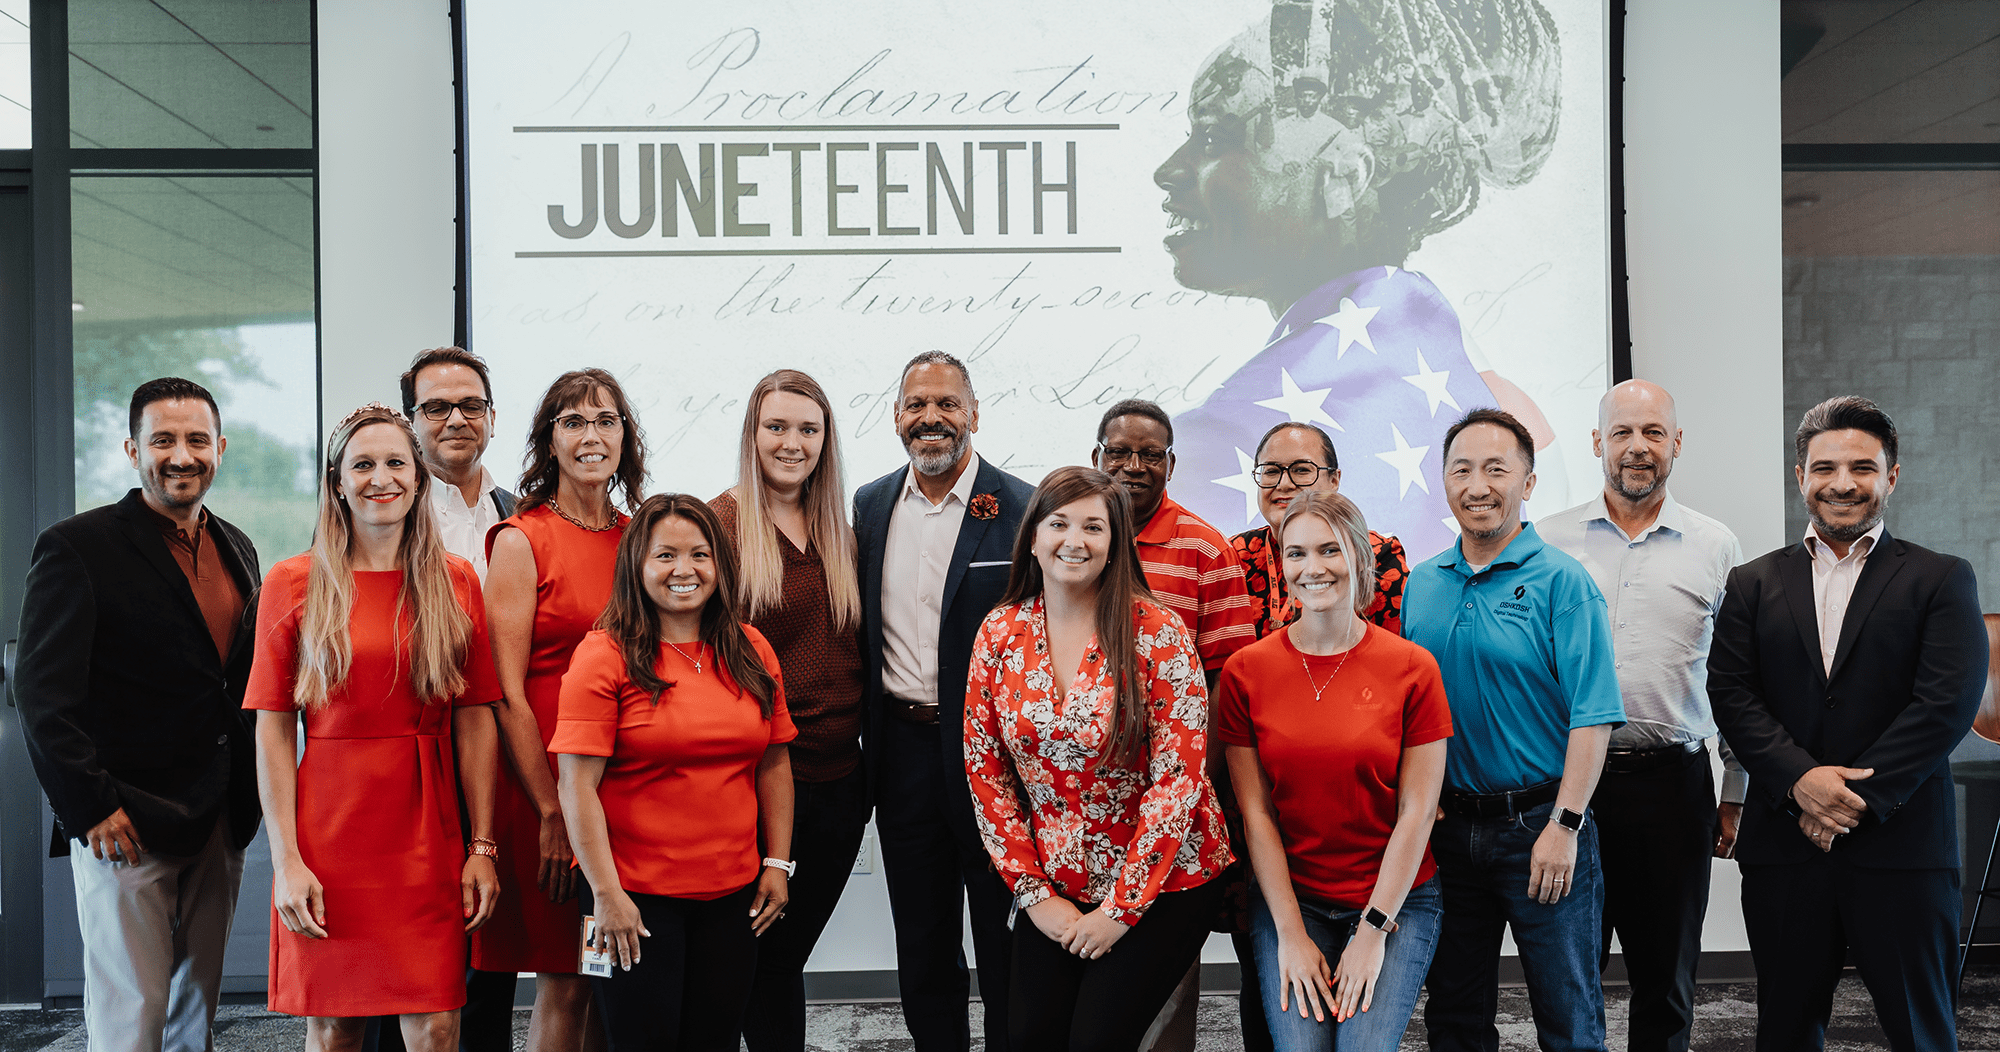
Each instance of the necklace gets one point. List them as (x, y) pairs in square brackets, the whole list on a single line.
[(696, 659), (581, 525), (1320, 688)]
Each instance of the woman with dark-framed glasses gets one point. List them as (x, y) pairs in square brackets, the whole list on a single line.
[(1294, 459), (549, 576)]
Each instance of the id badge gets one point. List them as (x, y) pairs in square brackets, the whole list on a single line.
[(593, 959)]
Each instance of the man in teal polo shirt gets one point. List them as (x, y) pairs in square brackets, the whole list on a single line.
[(1519, 632)]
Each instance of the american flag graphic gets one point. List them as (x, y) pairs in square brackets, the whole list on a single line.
[(1376, 359)]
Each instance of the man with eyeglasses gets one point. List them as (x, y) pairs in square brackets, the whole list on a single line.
[(1192, 571), (449, 397)]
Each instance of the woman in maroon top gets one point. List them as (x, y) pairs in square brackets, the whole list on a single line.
[(787, 519)]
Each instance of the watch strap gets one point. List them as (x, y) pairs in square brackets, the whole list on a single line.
[(791, 868), (1378, 920)]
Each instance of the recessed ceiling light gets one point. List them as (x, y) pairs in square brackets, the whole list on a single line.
[(76, 308), (265, 127), (1802, 200)]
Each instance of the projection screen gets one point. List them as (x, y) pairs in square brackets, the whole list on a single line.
[(1367, 214)]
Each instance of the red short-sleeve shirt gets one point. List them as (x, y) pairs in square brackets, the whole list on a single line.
[(680, 788), (1334, 762)]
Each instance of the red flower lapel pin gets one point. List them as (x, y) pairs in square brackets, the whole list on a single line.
[(983, 506)]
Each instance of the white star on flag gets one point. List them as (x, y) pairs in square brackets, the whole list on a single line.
[(1432, 384), (1408, 461), (1451, 523), (1352, 322), (1242, 482), (1305, 406)]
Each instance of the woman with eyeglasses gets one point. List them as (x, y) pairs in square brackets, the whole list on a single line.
[(1294, 459), (670, 737), (1086, 718), (549, 575), (378, 637), (798, 584), (1334, 731)]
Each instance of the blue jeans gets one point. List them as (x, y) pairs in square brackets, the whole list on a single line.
[(1406, 956), (1483, 867)]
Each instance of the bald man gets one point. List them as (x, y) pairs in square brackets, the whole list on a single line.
[(1662, 568)]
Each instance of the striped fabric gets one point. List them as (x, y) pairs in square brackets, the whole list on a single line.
[(1193, 571)]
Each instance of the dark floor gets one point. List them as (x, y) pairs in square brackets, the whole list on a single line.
[(1725, 1022)]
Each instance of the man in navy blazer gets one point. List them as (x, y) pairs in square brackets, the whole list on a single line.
[(1845, 668), (936, 540)]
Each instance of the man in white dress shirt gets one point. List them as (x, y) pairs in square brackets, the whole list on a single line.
[(1662, 568), (449, 398)]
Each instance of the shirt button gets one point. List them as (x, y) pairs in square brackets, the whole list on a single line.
[(222, 739), (1617, 664), (1468, 606)]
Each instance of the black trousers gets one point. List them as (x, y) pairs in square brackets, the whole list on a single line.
[(1901, 926), (828, 820), (1656, 838), (1063, 1003), (688, 990), (935, 876)]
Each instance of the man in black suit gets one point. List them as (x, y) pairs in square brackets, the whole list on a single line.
[(936, 539), (1844, 670), (136, 635)]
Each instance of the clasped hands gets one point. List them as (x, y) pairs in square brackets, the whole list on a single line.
[(1088, 935), (1828, 808)]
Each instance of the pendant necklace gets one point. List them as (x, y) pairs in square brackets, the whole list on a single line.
[(1320, 688), (581, 525), (696, 659)]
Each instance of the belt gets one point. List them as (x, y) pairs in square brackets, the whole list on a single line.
[(920, 713), (1632, 761), (1498, 805)]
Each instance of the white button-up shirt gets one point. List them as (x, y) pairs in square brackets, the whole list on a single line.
[(1661, 590), (463, 527), (1833, 585), (916, 557)]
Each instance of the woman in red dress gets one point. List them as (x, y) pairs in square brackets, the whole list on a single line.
[(548, 577), (671, 742), (1086, 744), (379, 636)]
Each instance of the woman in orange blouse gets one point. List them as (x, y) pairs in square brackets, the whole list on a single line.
[(1093, 799), (670, 742)]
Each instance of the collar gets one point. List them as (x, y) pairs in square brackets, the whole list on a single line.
[(1164, 525), (962, 489), (444, 493), (1671, 516), (1863, 546), (169, 526), (1523, 547)]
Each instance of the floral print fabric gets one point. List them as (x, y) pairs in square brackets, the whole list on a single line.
[(1055, 819), (1264, 578)]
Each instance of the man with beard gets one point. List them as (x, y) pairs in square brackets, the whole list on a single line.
[(1661, 567), (936, 542), (1519, 632), (1845, 669), (136, 634)]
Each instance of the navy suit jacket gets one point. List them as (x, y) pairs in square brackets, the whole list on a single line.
[(1906, 681), (970, 593)]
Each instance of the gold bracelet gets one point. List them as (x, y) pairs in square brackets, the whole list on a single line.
[(483, 846)]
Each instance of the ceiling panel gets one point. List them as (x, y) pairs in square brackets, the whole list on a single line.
[(179, 74), (1893, 214), (165, 249), (1889, 71), (16, 124)]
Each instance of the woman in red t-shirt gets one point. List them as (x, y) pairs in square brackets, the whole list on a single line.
[(379, 637), (672, 766), (1085, 743), (1334, 731)]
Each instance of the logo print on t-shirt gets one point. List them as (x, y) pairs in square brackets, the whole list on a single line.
[(1520, 590)]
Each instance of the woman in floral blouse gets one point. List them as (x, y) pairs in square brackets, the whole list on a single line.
[(1093, 799)]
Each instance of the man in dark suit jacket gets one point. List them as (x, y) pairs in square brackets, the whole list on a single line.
[(136, 636), (1844, 670), (936, 542)]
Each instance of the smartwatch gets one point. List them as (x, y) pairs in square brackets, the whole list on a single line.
[(791, 868), (1378, 920), (1568, 819)]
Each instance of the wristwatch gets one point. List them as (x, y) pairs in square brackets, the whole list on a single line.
[(1378, 920), (791, 868), (1568, 819)]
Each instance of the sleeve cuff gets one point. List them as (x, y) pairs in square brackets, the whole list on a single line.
[(1735, 785), (1031, 891), (1125, 916)]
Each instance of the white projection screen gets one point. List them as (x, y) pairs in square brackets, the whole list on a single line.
[(1369, 214)]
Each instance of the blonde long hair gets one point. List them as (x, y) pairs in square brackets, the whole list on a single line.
[(762, 582), (439, 630)]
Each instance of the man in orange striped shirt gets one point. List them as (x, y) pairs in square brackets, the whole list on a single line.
[(1192, 571)]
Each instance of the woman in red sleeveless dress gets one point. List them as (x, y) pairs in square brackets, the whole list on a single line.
[(380, 637), (549, 572)]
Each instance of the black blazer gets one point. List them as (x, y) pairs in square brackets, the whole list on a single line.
[(124, 700), (969, 595), (1907, 676)]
